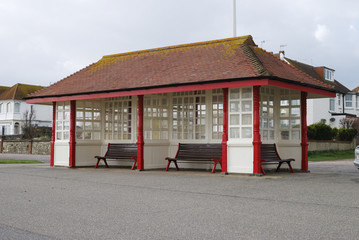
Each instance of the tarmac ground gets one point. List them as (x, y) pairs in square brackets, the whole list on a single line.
[(42, 202)]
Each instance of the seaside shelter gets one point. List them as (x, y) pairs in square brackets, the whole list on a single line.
[(226, 91)]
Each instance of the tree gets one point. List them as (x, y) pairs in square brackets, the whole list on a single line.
[(28, 129)]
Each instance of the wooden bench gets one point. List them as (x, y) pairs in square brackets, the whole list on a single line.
[(199, 153), (269, 155), (120, 151)]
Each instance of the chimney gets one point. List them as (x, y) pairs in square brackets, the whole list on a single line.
[(281, 55)]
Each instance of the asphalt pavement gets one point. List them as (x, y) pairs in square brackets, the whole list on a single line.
[(40, 202)]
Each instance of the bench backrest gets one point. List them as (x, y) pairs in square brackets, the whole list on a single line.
[(269, 152), (199, 151), (121, 150)]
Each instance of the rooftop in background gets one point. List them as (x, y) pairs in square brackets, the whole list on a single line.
[(231, 59), (317, 73), (18, 91)]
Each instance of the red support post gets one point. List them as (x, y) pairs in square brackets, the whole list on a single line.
[(53, 136), (304, 143), (72, 142), (225, 131), (256, 133), (140, 142)]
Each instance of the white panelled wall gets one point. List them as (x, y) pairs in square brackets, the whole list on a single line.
[(182, 117)]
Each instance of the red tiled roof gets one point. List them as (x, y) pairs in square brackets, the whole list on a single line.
[(232, 58), (18, 91)]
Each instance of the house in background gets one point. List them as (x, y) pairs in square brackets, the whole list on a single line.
[(13, 107), (327, 110), (226, 91)]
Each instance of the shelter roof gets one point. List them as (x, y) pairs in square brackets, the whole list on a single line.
[(196, 63), (18, 91)]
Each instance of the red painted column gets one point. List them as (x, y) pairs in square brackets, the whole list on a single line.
[(256, 134), (140, 142), (304, 143), (225, 130), (72, 142), (53, 137)]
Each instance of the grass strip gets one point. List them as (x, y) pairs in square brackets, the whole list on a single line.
[(15, 161), (317, 156)]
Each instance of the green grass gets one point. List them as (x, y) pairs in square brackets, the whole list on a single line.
[(330, 155), (14, 161)]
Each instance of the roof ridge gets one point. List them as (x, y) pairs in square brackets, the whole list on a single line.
[(15, 90), (256, 62), (247, 39)]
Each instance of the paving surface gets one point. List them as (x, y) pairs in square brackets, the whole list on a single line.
[(40, 202)]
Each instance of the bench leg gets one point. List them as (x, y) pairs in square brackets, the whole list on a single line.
[(214, 167), (177, 168), (262, 170), (105, 163), (280, 164), (290, 167), (134, 164), (98, 160), (168, 165)]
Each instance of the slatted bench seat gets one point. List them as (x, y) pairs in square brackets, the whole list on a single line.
[(120, 151), (198, 153), (269, 155)]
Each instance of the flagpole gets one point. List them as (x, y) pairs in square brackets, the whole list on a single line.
[(234, 19)]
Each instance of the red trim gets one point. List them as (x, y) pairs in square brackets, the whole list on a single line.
[(140, 141), (204, 86), (53, 137), (304, 143), (256, 134), (225, 130), (72, 142), (308, 89)]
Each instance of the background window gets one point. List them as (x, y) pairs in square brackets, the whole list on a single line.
[(348, 101), (267, 113)]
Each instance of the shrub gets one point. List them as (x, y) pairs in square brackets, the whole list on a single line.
[(346, 134), (320, 131)]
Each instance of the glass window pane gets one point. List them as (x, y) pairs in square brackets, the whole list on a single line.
[(234, 119), (247, 132), (246, 119), (234, 93), (234, 132), (246, 93), (246, 106), (295, 112), (234, 106), (284, 135), (296, 135), (284, 123)]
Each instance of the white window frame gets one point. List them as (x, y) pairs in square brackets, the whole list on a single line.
[(332, 104), (156, 117), (62, 121), (88, 120), (267, 118), (17, 105), (348, 102), (289, 115), (240, 109), (118, 119), (189, 115)]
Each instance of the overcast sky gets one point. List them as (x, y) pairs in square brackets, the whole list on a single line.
[(43, 41)]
